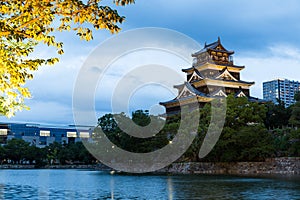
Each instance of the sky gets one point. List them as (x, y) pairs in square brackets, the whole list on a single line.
[(263, 34)]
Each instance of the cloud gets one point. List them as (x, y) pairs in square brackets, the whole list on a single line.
[(243, 24), (285, 51), (44, 112), (279, 61), (264, 35)]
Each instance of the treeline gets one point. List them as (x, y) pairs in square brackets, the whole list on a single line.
[(17, 151), (252, 132)]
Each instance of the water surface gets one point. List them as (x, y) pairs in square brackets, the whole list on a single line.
[(85, 184)]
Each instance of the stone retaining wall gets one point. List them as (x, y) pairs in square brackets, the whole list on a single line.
[(7, 166), (285, 165)]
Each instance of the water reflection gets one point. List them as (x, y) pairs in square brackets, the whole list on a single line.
[(78, 184), (170, 188), (1, 191), (228, 187), (112, 187), (43, 179)]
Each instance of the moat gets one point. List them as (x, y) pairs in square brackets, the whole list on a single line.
[(88, 184)]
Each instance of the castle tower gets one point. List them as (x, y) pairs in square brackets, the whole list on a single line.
[(213, 75)]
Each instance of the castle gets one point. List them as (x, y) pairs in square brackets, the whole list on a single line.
[(212, 75)]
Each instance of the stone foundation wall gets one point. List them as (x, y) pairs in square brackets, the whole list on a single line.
[(285, 165), (6, 166)]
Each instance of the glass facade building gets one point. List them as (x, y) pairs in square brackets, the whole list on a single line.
[(281, 89), (43, 135)]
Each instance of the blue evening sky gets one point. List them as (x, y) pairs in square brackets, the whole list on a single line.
[(263, 34)]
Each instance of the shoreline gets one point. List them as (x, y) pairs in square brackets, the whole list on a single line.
[(89, 167), (272, 166)]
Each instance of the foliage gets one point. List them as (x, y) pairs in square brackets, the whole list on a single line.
[(281, 141), (127, 142), (107, 123), (26, 23), (241, 112), (18, 151), (295, 116), (277, 115), (253, 143), (2, 154), (243, 138), (294, 140), (287, 142), (141, 117), (297, 96)]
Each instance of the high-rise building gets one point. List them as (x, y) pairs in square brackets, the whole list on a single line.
[(280, 89)]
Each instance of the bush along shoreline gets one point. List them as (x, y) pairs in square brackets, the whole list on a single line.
[(19, 153)]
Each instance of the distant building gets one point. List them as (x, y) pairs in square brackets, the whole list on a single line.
[(43, 135), (212, 75), (281, 89)]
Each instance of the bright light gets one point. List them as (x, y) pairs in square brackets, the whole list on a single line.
[(71, 134), (44, 133), (3, 131)]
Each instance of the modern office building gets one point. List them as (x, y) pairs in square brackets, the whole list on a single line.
[(43, 135), (281, 89)]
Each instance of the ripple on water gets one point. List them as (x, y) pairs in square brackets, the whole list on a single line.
[(79, 184)]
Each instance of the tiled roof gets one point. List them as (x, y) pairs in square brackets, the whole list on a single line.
[(213, 46)]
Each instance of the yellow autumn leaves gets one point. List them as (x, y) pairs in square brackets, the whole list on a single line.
[(26, 23)]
